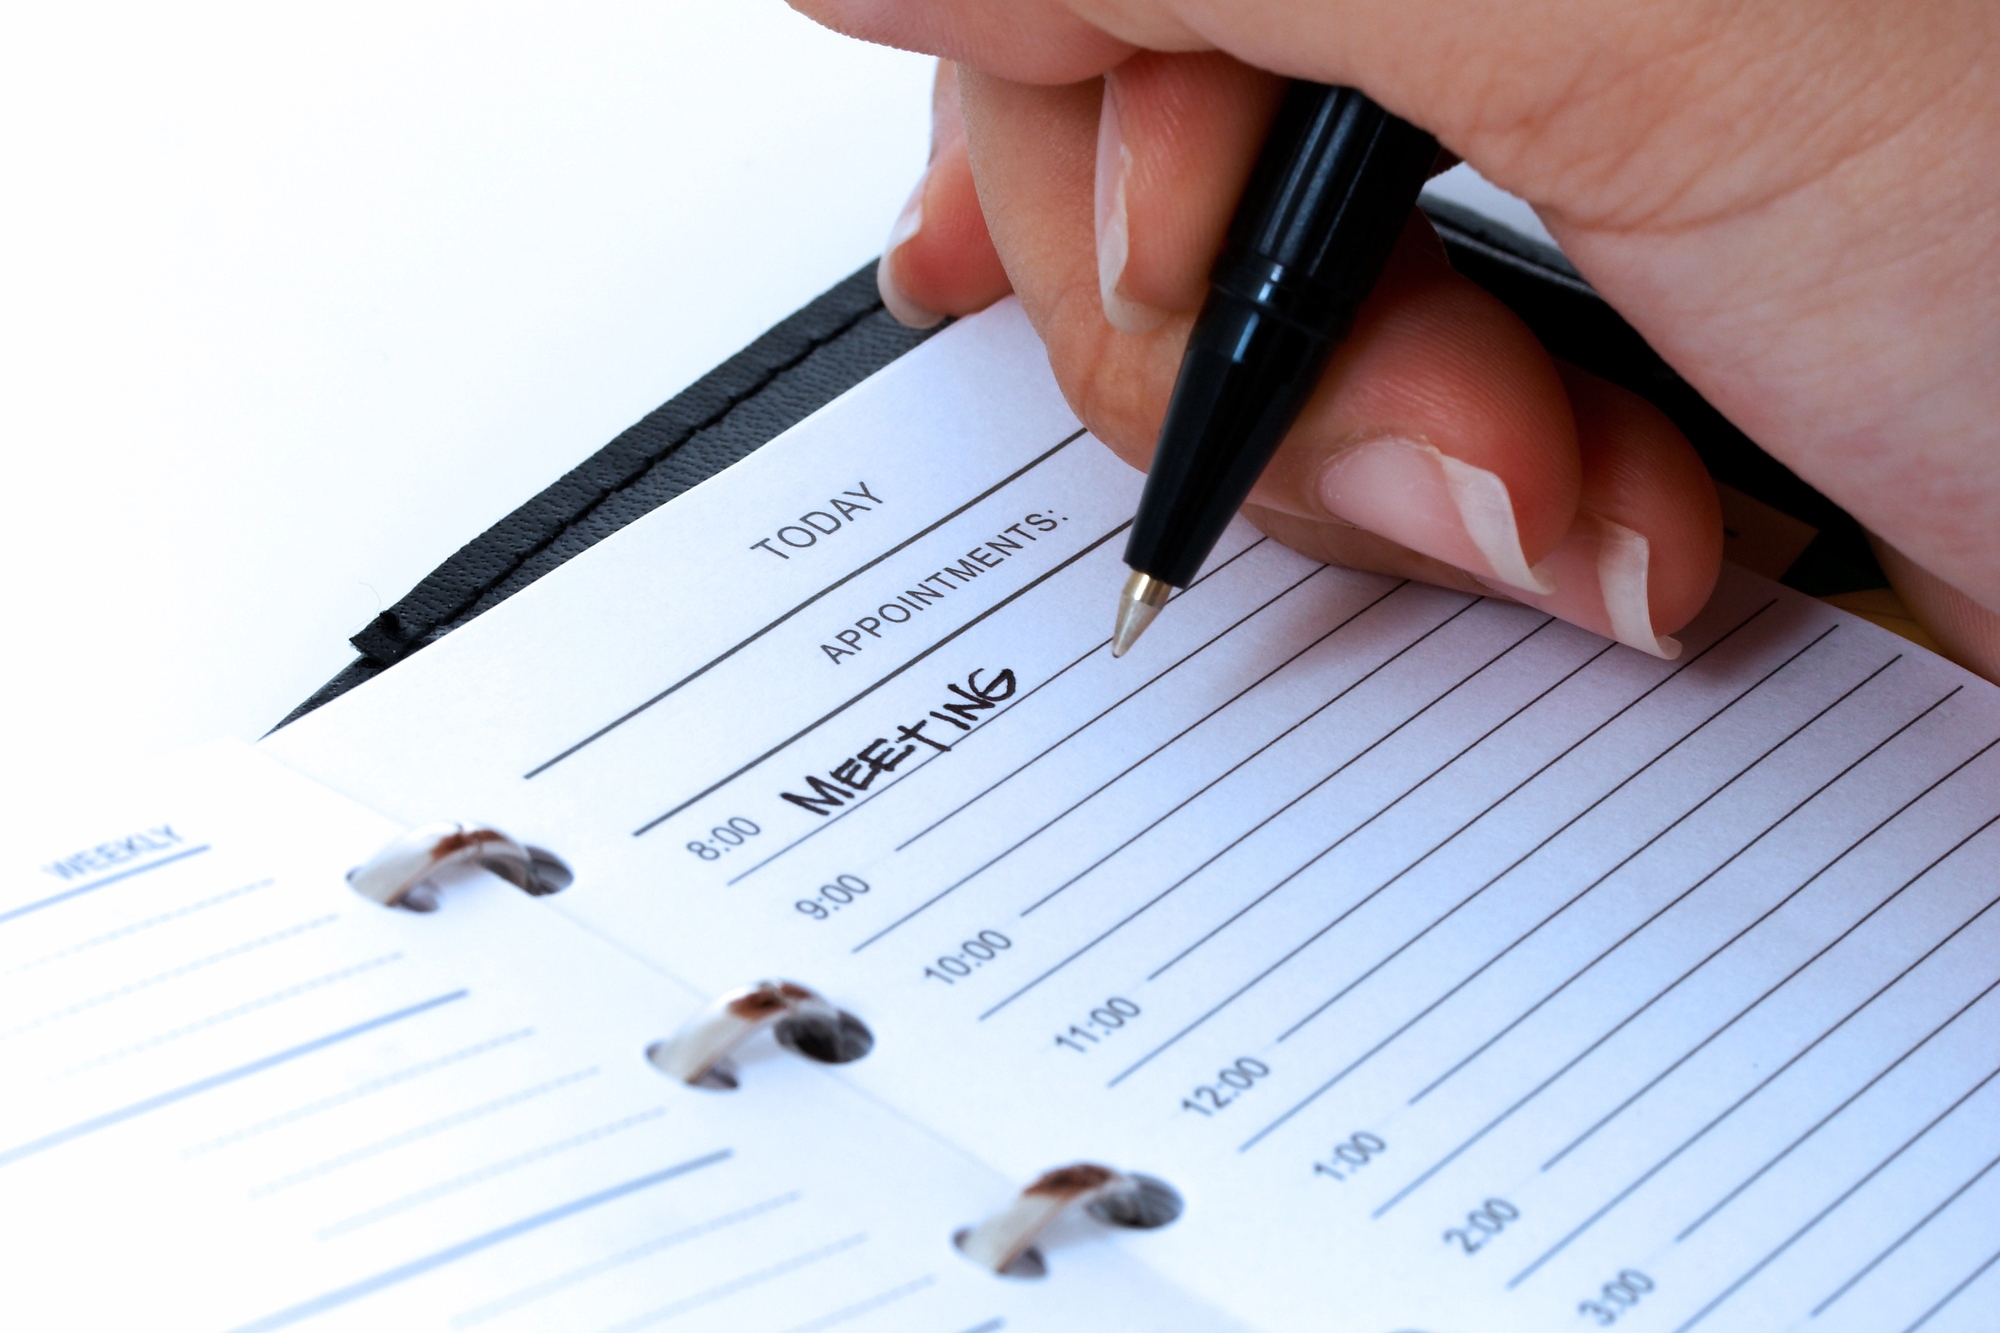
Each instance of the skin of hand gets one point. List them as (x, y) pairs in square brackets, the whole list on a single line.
[(1792, 200)]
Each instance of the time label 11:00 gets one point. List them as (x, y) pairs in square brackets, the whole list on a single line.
[(724, 838)]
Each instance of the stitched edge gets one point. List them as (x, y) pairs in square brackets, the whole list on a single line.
[(395, 633)]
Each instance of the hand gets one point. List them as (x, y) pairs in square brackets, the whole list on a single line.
[(1791, 200)]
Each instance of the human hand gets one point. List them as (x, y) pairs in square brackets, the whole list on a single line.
[(1789, 200)]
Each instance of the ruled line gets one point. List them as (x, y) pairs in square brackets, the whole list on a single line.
[(1724, 1295), (1405, 795), (1899, 1242), (1369, 1054), (1577, 1059), (813, 726), (199, 1086), (1088, 723), (437, 1259), (1226, 773), (1495, 804), (1618, 1198), (835, 586), (967, 878), (959, 744), (97, 884), (1349, 762)]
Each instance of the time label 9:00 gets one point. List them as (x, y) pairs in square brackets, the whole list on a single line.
[(832, 897)]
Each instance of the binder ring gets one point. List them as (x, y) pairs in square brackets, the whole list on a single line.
[(1005, 1242), (402, 873), (803, 1021)]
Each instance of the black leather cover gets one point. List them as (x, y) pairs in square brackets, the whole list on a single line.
[(844, 336)]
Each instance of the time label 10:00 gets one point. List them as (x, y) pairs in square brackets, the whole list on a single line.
[(978, 951), (724, 838)]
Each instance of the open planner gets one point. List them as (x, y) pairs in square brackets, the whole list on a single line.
[(1449, 968)]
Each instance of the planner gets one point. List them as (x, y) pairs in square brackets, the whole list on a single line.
[(1357, 954)]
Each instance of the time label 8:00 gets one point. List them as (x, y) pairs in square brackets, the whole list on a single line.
[(724, 838)]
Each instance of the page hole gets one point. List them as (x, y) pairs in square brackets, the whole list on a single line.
[(1028, 1264), (548, 873), (837, 1040), (721, 1076), (1147, 1203)]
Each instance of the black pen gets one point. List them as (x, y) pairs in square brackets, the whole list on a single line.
[(1331, 190)]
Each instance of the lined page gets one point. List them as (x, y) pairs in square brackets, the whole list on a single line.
[(1462, 969), (241, 1097)]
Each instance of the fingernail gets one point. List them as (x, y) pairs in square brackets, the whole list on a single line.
[(1624, 558), (908, 223), (1114, 167), (1603, 567), (1413, 493)]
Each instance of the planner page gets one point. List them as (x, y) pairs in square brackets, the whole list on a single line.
[(1462, 970), (242, 1097)]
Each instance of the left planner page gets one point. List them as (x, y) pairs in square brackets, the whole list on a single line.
[(240, 1096)]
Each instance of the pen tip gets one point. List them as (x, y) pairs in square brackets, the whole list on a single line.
[(1141, 600)]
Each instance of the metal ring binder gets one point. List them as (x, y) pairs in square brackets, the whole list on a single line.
[(803, 1021), (402, 874), (1004, 1242)]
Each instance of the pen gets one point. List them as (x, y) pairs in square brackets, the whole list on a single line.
[(1333, 185)]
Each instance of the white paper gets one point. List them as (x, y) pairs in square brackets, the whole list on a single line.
[(1464, 971), (240, 1096)]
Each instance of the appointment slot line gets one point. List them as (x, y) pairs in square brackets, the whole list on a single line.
[(1584, 1054), (1684, 894), (1237, 915), (1206, 787), (1349, 762), (830, 588), (1901, 1240), (1074, 806), (1625, 1193), (818, 829), (1495, 804), (1770, 1257), (1113, 707), (1954, 1293), (1775, 1074), (1845, 1102), (957, 810), (1581, 894), (815, 725), (1570, 823), (1405, 795), (1231, 998), (1233, 769), (1701, 1045), (1677, 981)]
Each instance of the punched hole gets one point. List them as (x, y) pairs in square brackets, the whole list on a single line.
[(831, 1038), (1028, 1264)]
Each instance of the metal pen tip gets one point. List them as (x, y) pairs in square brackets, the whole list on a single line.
[(1142, 599)]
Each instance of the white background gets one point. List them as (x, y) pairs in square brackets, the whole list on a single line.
[(296, 300)]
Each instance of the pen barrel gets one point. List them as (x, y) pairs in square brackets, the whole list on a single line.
[(1329, 195)]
